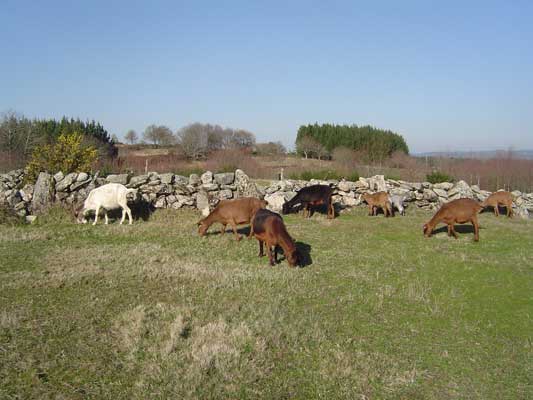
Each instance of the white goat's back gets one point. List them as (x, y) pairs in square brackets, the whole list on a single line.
[(108, 196)]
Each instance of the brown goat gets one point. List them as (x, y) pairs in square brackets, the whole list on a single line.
[(233, 212), (268, 228), (497, 199), (458, 211), (378, 200)]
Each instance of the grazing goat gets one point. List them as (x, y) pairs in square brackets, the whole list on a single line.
[(396, 200), (312, 196), (109, 196), (497, 199), (233, 212), (268, 228), (378, 200), (458, 211)]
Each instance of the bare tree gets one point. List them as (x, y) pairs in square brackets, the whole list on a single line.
[(193, 139), (271, 149), (131, 136), (17, 134), (159, 135), (310, 147)]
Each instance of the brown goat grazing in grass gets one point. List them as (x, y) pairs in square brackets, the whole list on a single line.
[(458, 211), (268, 228), (312, 196), (233, 212), (378, 200), (497, 199)]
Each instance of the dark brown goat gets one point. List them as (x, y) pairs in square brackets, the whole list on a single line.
[(309, 196), (458, 211), (497, 199), (268, 228), (378, 200), (233, 212)]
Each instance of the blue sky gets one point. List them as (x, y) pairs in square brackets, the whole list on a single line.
[(446, 75)]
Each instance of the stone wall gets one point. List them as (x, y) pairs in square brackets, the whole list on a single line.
[(203, 192)]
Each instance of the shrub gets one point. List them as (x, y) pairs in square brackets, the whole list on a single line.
[(438, 177), (66, 155)]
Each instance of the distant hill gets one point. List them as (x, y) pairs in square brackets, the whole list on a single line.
[(524, 154)]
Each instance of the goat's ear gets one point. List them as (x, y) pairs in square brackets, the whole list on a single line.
[(200, 222)]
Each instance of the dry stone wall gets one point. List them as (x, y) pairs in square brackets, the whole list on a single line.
[(204, 191)]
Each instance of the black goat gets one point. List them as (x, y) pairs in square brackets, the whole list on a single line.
[(312, 196)]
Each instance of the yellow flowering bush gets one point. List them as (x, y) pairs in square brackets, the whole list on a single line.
[(67, 154)]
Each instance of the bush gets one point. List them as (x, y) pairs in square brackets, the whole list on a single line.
[(66, 155), (438, 177)]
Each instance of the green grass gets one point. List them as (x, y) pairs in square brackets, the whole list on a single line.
[(154, 311)]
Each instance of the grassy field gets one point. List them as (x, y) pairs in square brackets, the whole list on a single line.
[(153, 311)]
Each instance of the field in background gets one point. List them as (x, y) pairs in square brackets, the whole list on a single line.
[(153, 311), (503, 171)]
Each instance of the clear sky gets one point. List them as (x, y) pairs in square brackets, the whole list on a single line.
[(446, 75)]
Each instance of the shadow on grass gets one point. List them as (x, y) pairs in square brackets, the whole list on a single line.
[(458, 228)]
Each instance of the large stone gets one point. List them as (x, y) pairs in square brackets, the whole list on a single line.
[(225, 194), (77, 185), (210, 187), (167, 178), (82, 176), (181, 180), (65, 183), (460, 190), (118, 178), (275, 201), (43, 193), (346, 186), (225, 178), (207, 177), (443, 185), (161, 202), (440, 192), (194, 180), (59, 176), (137, 181), (202, 202)]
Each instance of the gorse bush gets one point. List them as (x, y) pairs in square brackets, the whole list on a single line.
[(439, 177), (67, 154)]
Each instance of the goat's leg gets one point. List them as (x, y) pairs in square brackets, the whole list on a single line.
[(223, 230), (130, 218), (453, 231), (270, 255), (331, 209), (449, 230), (261, 253), (96, 212), (105, 216), (476, 228), (234, 227), (510, 211), (497, 209)]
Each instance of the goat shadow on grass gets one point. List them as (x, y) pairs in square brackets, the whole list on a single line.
[(321, 209), (304, 250), (463, 228), (501, 209), (213, 231)]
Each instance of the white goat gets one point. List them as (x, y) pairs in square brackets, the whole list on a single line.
[(396, 200), (108, 197)]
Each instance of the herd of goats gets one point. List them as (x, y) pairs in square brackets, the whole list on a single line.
[(268, 227)]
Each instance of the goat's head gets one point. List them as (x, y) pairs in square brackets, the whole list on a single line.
[(427, 231), (79, 213), (202, 227), (294, 258)]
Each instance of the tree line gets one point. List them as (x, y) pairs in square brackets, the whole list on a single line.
[(319, 141), (19, 135), (195, 140)]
